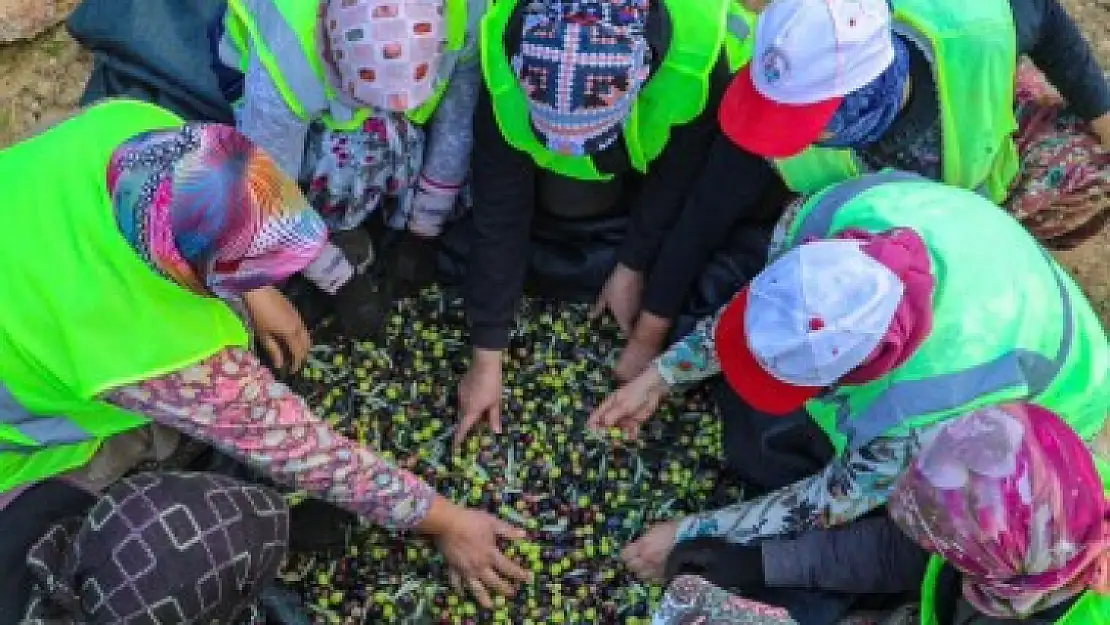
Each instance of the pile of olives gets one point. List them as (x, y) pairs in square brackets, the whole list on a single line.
[(580, 495)]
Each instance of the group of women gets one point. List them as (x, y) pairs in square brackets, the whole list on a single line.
[(913, 389)]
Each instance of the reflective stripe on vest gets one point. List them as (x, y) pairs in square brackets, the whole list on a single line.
[(738, 46), (942, 392), (40, 431)]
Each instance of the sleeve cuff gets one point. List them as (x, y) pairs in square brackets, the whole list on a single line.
[(407, 518), (489, 336), (631, 257)]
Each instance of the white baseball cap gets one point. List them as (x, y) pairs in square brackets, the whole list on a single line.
[(806, 321), (808, 55)]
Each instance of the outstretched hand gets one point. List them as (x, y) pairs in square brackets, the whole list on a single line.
[(632, 405), (480, 394), (279, 328), (621, 296), (468, 540)]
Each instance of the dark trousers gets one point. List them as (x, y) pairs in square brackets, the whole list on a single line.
[(768, 453), (22, 524)]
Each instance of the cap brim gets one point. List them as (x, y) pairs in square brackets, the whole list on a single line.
[(754, 384), (771, 129)]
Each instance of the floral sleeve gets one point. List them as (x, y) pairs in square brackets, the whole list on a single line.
[(232, 402), (692, 359), (850, 487)]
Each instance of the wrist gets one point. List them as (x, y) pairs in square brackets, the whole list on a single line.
[(651, 329), (656, 379), (486, 359), (439, 519)]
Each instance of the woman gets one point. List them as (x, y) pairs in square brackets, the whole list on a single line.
[(590, 109), (1013, 506), (822, 109), (879, 318), (119, 332), (341, 94)]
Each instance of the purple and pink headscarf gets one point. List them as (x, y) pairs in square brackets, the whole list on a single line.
[(211, 211), (1010, 496)]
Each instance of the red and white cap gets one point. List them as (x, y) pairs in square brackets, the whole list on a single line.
[(806, 321), (808, 55)]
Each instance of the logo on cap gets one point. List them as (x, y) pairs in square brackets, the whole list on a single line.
[(774, 65)]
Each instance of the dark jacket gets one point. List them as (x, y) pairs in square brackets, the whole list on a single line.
[(505, 183)]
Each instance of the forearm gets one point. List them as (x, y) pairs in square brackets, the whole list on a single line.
[(663, 195), (726, 195), (504, 201), (232, 402), (844, 491), (868, 556), (1057, 47)]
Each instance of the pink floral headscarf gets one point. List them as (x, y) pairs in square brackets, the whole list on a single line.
[(1010, 496), (384, 54)]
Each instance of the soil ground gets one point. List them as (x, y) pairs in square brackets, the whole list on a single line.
[(42, 79)]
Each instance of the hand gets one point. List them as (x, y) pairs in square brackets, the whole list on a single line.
[(644, 345), (647, 557), (620, 296), (279, 328), (468, 540), (480, 393), (1101, 126), (632, 405)]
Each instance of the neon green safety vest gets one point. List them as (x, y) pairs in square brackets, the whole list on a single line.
[(1008, 322), (973, 49), (674, 95), (263, 26), (82, 313), (1091, 609)]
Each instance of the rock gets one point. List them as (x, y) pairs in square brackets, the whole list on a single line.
[(25, 19)]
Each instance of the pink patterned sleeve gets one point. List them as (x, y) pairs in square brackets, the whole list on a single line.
[(232, 402)]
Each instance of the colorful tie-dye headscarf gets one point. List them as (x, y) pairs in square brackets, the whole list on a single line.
[(1010, 496), (210, 210)]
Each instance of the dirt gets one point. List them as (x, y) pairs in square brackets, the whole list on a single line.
[(42, 79)]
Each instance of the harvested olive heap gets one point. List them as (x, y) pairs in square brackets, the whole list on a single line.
[(581, 496)]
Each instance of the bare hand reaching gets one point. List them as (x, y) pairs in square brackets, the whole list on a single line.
[(480, 394), (632, 405), (468, 540), (279, 327), (621, 296)]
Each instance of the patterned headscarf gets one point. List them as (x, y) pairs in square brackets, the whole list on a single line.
[(211, 211), (1010, 496), (385, 54), (582, 64), (161, 548), (865, 114)]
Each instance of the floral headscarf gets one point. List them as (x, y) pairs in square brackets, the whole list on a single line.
[(1010, 496), (211, 211)]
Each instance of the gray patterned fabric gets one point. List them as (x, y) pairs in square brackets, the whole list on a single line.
[(161, 548)]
